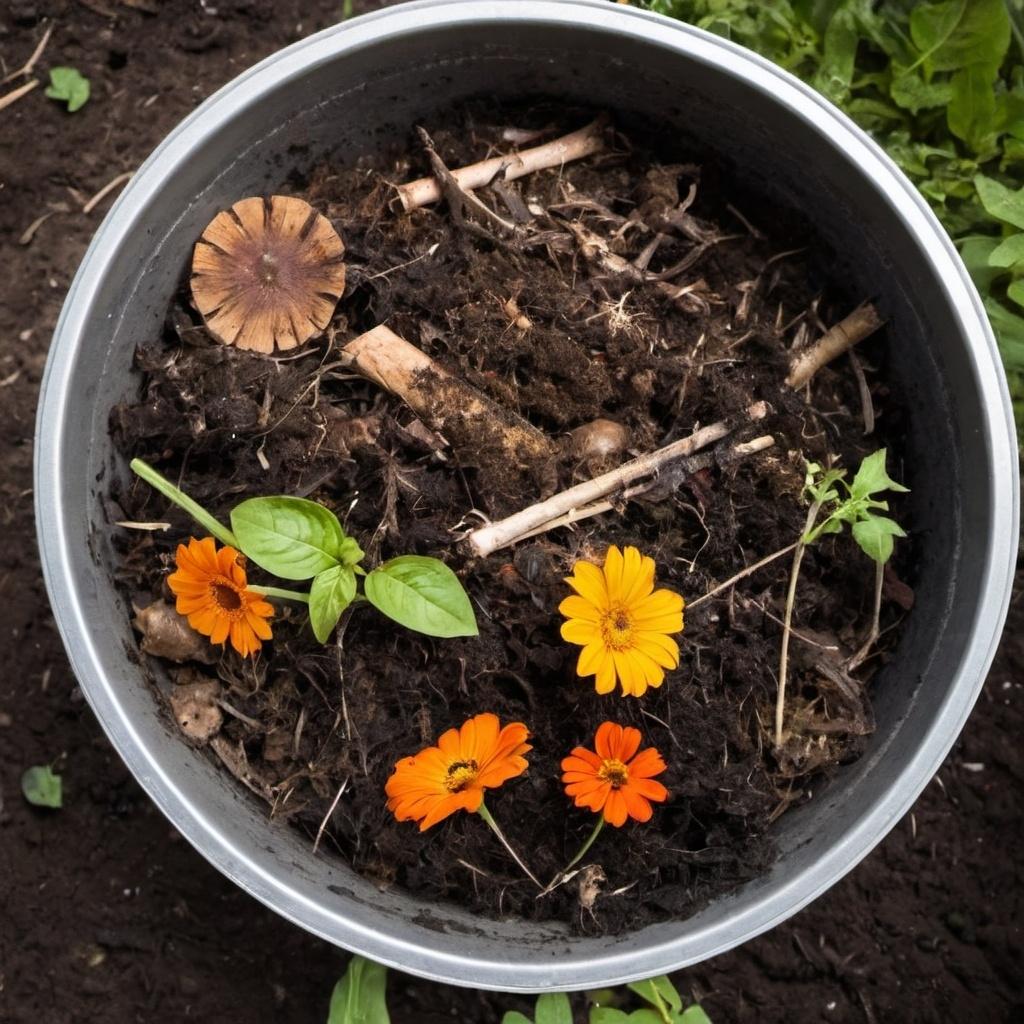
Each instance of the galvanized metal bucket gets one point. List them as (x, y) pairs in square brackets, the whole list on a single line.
[(349, 90)]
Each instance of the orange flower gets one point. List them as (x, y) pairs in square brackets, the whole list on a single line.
[(452, 776), (621, 622), (210, 587), (616, 781)]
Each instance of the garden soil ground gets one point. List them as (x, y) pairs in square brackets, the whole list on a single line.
[(105, 914)]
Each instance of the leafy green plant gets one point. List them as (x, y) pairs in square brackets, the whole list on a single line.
[(859, 508), (664, 1006), (360, 996), (551, 1008), (69, 86), (941, 86), (42, 788), (296, 539)]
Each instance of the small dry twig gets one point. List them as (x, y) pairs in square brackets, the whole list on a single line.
[(26, 68), (861, 323), (15, 94), (490, 538), (574, 146), (117, 182)]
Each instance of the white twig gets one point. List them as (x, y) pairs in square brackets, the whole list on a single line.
[(26, 68), (105, 191), (489, 539), (327, 816), (573, 146), (15, 94), (742, 574), (873, 633)]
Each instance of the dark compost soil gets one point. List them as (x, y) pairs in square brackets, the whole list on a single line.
[(228, 425), (106, 915)]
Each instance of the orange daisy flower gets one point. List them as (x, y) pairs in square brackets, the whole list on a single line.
[(621, 622), (452, 776), (210, 587), (615, 781)]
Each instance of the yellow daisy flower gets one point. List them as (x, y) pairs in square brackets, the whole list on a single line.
[(621, 622)]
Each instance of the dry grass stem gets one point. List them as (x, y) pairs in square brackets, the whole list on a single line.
[(574, 146)]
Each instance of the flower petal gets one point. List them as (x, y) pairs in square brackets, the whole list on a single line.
[(605, 679), (646, 764), (588, 581), (607, 740), (577, 631), (615, 812), (636, 806), (660, 612), (591, 658), (661, 649), (637, 576), (576, 607)]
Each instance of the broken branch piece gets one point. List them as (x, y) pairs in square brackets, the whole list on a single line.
[(268, 273), (489, 539), (466, 417), (863, 321), (574, 146)]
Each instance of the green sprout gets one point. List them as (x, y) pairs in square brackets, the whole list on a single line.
[(855, 504), (42, 788), (360, 995), (69, 86), (297, 540)]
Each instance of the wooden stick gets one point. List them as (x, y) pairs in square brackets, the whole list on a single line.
[(574, 146), (863, 321), (490, 538), (466, 417), (26, 68), (758, 444), (16, 94)]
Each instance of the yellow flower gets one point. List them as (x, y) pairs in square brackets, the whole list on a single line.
[(621, 622)]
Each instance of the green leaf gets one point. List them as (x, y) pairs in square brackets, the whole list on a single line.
[(875, 534), (1001, 202), (913, 93), (971, 113), (68, 85), (349, 552), (422, 594), (694, 1015), (957, 33), (291, 537), (839, 52), (871, 477), (41, 787), (607, 1015), (976, 252), (1008, 252), (647, 1016), (331, 593), (1009, 331), (553, 1008), (515, 1017), (655, 989), (1015, 291), (360, 996)]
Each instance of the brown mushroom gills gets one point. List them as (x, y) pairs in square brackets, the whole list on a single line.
[(267, 273)]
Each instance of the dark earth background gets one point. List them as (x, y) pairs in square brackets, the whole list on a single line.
[(106, 914)]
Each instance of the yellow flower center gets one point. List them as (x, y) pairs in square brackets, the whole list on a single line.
[(460, 775), (617, 629), (226, 596), (614, 772)]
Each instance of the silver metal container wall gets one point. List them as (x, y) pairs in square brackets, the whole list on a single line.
[(345, 92)]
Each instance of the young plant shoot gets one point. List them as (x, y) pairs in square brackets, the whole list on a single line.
[(874, 533), (296, 539)]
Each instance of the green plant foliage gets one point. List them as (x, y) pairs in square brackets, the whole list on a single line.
[(859, 508), (941, 86), (42, 788), (69, 86), (665, 1006), (422, 594), (331, 593), (360, 996), (551, 1008), (290, 537)]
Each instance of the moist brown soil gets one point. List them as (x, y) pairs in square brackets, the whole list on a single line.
[(229, 425), (108, 915)]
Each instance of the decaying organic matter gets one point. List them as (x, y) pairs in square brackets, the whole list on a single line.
[(555, 334), (267, 273)]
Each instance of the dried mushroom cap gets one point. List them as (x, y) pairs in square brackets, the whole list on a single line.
[(268, 273)]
